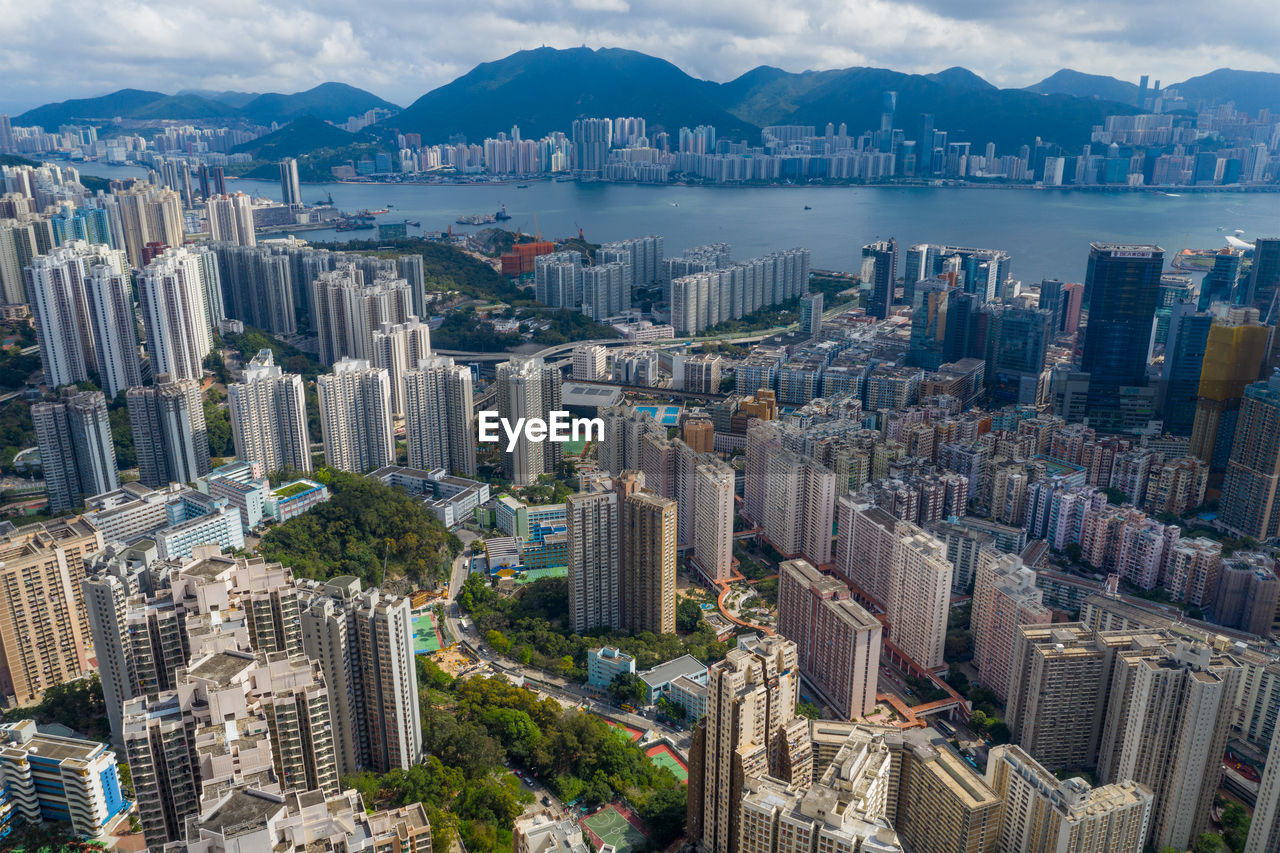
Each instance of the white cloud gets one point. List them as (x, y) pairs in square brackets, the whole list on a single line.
[(401, 48)]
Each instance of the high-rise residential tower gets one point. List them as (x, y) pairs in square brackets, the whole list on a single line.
[(594, 582), (838, 642), (347, 308), (172, 294), (647, 558), (440, 428), (1251, 492), (231, 219), (355, 417), (269, 416), (397, 348), (76, 451), (528, 388), (56, 288), (169, 432), (44, 631), (115, 329)]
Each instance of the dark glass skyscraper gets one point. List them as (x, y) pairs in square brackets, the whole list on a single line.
[(880, 270), (1264, 276), (1019, 342), (929, 318), (1122, 288), (1220, 283), (1183, 359)]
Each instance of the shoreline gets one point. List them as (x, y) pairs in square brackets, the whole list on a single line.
[(1168, 190)]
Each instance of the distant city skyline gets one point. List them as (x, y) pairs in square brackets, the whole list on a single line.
[(403, 51)]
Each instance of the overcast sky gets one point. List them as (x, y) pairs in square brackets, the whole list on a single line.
[(399, 49)]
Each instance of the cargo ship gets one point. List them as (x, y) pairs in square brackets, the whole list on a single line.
[(484, 218)]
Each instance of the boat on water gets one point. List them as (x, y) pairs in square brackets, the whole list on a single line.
[(522, 186), (807, 207), (502, 215), (415, 223)]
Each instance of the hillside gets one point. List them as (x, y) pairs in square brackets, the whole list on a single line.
[(235, 99), (298, 137), (1251, 90), (1076, 83), (328, 102), (122, 103), (544, 90), (955, 98), (956, 77)]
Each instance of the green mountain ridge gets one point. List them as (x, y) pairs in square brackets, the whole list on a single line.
[(328, 101), (546, 89), (1066, 81)]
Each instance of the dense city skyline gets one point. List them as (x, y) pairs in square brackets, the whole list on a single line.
[(273, 47), (889, 526)]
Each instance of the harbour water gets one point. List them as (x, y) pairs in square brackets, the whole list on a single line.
[(1047, 231)]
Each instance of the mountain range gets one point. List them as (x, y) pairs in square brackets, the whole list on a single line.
[(545, 89), (329, 101)]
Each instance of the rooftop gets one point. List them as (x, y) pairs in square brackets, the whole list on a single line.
[(242, 812), (220, 667), (665, 673)]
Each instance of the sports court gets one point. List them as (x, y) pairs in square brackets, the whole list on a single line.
[(426, 636), (662, 756), (625, 731), (609, 826)]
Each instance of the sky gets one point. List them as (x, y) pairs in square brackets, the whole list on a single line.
[(400, 49)]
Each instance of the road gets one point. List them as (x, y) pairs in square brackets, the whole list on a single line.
[(558, 349), (549, 685)]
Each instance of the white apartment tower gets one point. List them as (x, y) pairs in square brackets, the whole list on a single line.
[(231, 219), (169, 432), (172, 296), (76, 451), (440, 425), (1168, 716), (115, 335), (528, 388), (1043, 814), (346, 310), (269, 416), (397, 348), (589, 362), (355, 417), (56, 285)]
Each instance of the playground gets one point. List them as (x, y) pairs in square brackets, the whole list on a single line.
[(426, 634), (663, 756), (611, 826)]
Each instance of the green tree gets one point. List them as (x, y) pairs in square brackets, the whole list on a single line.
[(688, 616), (1235, 826), (217, 421), (1208, 843), (628, 688), (808, 709)]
